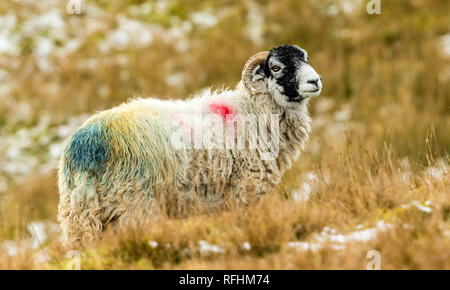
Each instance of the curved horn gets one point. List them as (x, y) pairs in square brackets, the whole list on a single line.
[(249, 66)]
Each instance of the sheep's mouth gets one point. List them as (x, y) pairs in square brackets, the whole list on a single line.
[(304, 95), (312, 91), (297, 99), (310, 94)]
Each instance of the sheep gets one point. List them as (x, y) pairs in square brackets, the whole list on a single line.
[(125, 166)]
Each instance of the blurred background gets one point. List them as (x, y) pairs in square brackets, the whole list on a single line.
[(386, 80)]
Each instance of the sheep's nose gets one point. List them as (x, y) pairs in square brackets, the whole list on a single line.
[(314, 82)]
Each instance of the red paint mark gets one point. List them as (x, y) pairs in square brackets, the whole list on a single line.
[(178, 120), (222, 110), (188, 130)]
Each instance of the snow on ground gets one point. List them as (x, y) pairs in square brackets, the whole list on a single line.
[(204, 19), (34, 149), (128, 33), (153, 244), (337, 241), (307, 188), (246, 246), (312, 246), (344, 7), (40, 232), (426, 207), (8, 39), (255, 21), (331, 235), (206, 248), (444, 42), (439, 170)]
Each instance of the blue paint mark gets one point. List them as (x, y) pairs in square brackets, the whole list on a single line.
[(88, 150)]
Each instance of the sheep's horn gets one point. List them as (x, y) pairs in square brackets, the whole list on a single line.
[(249, 66)]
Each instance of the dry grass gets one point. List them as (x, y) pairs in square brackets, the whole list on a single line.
[(415, 240), (379, 150)]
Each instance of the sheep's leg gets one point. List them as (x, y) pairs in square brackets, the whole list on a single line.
[(79, 213), (79, 229), (137, 214)]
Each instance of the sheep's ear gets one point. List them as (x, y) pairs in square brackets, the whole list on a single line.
[(253, 72)]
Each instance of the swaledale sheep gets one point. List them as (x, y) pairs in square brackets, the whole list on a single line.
[(123, 167)]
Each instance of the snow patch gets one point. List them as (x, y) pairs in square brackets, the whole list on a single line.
[(207, 248), (438, 171), (308, 187), (204, 19), (40, 231), (444, 42), (128, 33), (255, 25), (246, 246), (153, 244), (337, 241), (425, 208), (9, 41), (344, 114), (176, 79)]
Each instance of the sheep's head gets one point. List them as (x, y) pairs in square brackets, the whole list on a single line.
[(283, 72)]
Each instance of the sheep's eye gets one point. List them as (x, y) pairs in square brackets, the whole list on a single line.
[(276, 68)]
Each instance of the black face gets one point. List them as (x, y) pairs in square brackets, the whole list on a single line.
[(282, 65), (288, 76)]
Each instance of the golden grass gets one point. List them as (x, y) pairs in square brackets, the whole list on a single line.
[(349, 196)]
